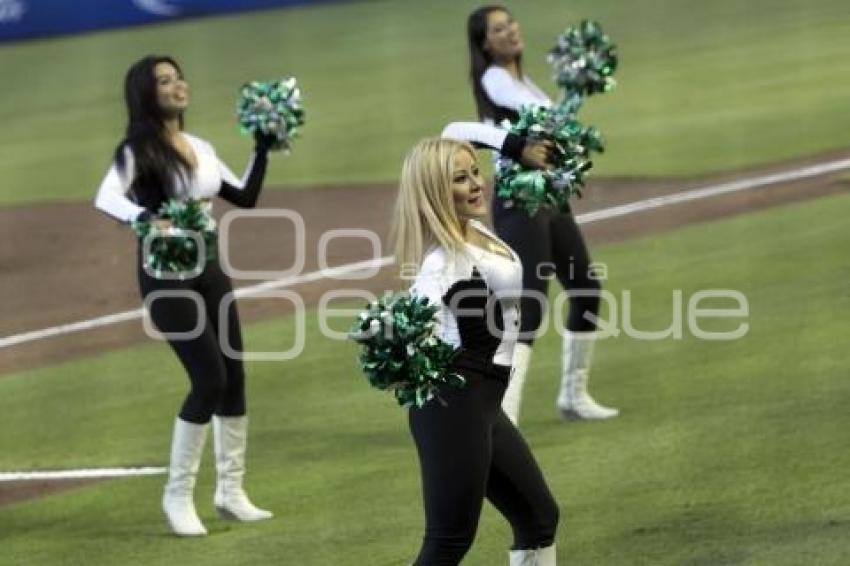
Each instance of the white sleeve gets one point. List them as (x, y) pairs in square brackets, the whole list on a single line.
[(112, 195), (433, 281), (502, 89), (476, 133)]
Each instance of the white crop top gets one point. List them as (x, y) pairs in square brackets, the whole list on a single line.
[(441, 270), (205, 182)]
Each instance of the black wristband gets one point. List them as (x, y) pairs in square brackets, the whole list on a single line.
[(513, 146), (263, 142), (144, 216)]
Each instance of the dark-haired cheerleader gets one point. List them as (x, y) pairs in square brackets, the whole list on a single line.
[(157, 161), (548, 243)]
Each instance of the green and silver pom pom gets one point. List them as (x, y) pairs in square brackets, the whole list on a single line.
[(173, 249), (584, 60), (400, 352), (533, 189), (271, 109)]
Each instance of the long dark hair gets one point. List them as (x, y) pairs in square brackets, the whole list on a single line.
[(156, 161), (479, 59)]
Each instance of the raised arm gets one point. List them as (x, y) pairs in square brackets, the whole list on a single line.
[(486, 136), (244, 192), (533, 153)]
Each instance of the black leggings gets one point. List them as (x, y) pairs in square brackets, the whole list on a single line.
[(469, 450), (217, 380), (550, 242)]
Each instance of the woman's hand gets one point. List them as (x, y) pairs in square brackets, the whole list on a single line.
[(263, 142), (538, 154), (162, 224)]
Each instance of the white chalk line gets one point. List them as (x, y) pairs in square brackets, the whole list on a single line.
[(252, 290), (377, 263), (89, 473), (587, 218), (714, 190)]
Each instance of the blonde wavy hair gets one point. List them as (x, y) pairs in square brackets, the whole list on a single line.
[(425, 213)]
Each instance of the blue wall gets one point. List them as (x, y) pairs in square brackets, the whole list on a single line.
[(20, 19)]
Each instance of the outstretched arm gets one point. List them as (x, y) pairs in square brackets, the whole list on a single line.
[(486, 136), (532, 153)]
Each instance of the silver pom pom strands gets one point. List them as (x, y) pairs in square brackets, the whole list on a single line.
[(532, 189), (400, 352), (271, 110), (584, 60), (175, 250)]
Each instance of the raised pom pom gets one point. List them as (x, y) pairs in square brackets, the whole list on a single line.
[(271, 110)]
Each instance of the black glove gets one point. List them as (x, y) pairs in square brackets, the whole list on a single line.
[(263, 142), (513, 145), (555, 154), (145, 216)]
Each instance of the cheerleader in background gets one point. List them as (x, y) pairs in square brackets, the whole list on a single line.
[(155, 162), (548, 242)]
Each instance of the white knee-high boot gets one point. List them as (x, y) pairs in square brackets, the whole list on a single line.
[(187, 446), (513, 394), (574, 402), (230, 436), (534, 557)]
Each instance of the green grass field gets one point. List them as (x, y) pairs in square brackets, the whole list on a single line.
[(704, 86), (725, 452)]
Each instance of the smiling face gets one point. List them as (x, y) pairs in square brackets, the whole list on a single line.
[(503, 40), (467, 187), (172, 92)]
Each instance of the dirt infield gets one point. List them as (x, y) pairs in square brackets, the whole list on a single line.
[(15, 491), (64, 263)]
